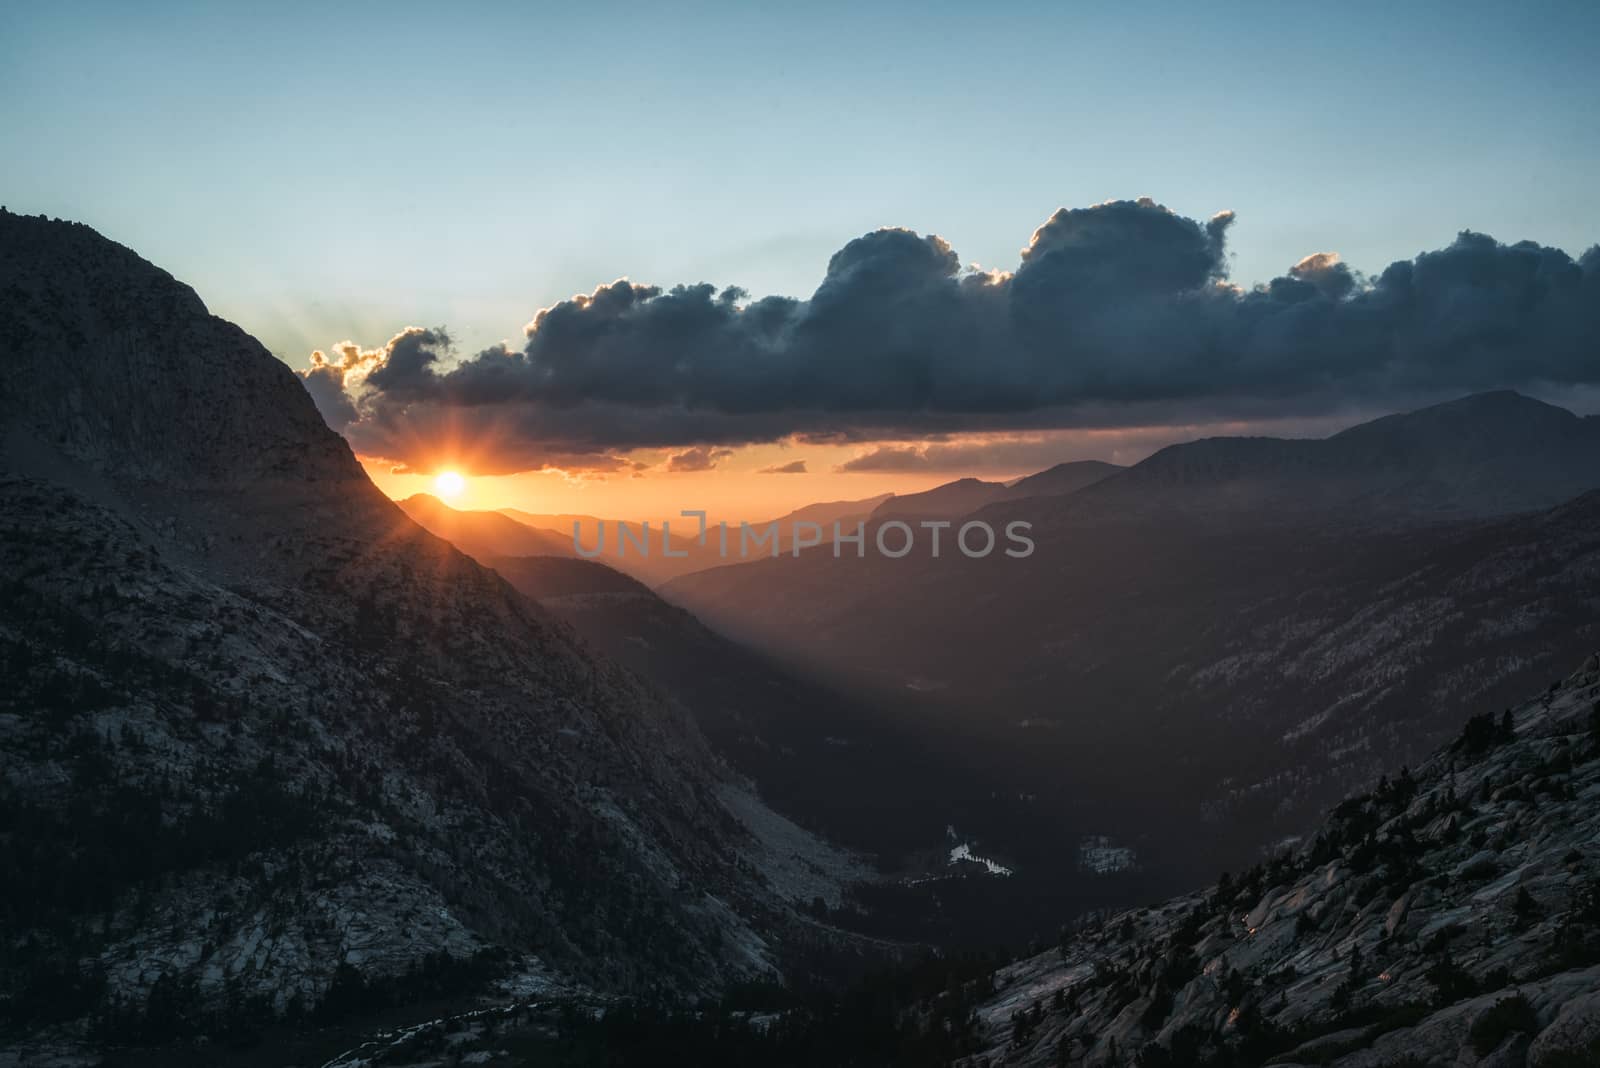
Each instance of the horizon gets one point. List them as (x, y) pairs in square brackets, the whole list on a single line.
[(749, 483), (477, 494), (341, 231)]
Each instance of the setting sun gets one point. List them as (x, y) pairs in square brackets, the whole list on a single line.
[(449, 484)]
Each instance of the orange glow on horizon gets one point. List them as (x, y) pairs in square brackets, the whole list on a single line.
[(744, 484), (763, 482)]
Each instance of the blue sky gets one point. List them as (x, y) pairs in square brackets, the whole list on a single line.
[(320, 174)]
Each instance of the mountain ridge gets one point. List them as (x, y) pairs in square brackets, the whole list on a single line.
[(1061, 479), (273, 745), (1483, 454), (483, 535)]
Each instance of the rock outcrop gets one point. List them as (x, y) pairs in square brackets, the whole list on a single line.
[(1451, 916)]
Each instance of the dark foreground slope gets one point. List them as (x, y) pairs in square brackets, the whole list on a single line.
[(269, 751), (1449, 917)]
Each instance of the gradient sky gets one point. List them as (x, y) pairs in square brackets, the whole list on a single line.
[(321, 174)]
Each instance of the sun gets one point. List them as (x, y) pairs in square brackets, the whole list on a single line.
[(449, 484)]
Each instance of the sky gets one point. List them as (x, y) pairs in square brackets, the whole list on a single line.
[(323, 173)]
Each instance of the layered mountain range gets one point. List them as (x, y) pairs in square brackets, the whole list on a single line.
[(970, 494), (1253, 625)]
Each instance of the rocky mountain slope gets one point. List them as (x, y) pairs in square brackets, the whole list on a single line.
[(1451, 916), (273, 752)]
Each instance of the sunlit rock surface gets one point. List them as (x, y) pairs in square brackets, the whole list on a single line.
[(1450, 916)]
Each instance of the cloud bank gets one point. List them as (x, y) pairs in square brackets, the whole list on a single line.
[(1113, 311)]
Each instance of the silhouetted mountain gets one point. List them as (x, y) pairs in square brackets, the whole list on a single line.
[(482, 534), (558, 524), (273, 751), (1483, 455), (826, 513), (951, 499), (1060, 480), (967, 495)]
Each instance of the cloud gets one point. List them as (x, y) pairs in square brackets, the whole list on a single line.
[(1113, 311), (331, 375), (1004, 455), (793, 467), (888, 458), (1324, 270), (696, 459), (326, 386), (406, 368)]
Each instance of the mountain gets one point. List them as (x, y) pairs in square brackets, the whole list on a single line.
[(827, 513), (1060, 480), (559, 524), (555, 580), (273, 753), (482, 534), (1483, 455), (951, 499), (966, 495), (1172, 669), (1449, 916)]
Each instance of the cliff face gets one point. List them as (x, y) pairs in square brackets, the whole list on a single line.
[(119, 366), (265, 742), (1449, 917)]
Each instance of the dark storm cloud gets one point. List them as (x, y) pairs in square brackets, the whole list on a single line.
[(1123, 306), (326, 386), (407, 371)]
